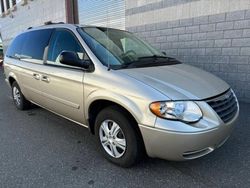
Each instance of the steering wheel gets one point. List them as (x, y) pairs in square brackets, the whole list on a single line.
[(129, 54)]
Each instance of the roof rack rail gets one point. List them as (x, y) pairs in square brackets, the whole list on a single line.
[(50, 22)]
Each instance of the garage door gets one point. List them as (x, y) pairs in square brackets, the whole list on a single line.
[(107, 13)]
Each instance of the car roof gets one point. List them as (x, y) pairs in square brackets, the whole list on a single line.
[(63, 25), (51, 25)]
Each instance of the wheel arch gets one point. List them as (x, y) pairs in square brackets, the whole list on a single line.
[(103, 98), (99, 104), (12, 78)]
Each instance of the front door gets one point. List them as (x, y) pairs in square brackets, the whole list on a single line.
[(62, 85)]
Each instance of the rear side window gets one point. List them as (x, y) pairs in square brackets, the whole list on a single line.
[(30, 45), (35, 44)]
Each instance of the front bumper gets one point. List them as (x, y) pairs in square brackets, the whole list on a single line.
[(179, 146)]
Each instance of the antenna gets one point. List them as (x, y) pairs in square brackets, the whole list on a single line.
[(108, 36)]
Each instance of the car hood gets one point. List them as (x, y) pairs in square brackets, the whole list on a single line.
[(180, 81)]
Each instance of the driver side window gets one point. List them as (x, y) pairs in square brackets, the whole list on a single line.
[(63, 40)]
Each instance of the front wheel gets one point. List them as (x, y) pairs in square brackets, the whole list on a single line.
[(117, 137)]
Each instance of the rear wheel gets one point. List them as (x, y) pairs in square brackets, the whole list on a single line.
[(19, 100), (117, 137)]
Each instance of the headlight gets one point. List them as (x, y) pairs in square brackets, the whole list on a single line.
[(186, 111)]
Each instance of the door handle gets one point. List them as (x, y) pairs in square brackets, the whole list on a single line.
[(36, 76), (45, 79)]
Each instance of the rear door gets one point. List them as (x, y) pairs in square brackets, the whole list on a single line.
[(28, 54), (62, 85)]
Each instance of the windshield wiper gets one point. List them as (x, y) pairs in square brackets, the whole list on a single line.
[(153, 57), (140, 63), (136, 64)]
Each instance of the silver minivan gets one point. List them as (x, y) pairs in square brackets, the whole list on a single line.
[(136, 100)]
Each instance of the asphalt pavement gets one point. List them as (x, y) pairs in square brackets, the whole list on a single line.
[(40, 149)]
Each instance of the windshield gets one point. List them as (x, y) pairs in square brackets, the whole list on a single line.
[(116, 48)]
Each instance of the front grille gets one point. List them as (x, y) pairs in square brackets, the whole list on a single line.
[(225, 105)]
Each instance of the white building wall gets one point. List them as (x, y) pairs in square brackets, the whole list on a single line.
[(34, 13)]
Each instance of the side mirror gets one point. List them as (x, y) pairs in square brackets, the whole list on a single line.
[(164, 53), (72, 59)]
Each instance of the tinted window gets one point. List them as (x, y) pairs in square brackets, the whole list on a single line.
[(35, 43), (30, 45), (16, 46), (63, 40)]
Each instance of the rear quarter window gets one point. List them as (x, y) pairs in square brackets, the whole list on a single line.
[(16, 46), (30, 45)]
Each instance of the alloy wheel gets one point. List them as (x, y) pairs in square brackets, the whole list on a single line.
[(112, 138), (16, 95)]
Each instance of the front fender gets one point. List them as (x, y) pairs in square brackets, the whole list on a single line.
[(137, 107)]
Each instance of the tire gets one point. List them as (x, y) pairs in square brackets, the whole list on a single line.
[(123, 146), (19, 100)]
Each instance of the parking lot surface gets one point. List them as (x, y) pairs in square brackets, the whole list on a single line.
[(40, 149)]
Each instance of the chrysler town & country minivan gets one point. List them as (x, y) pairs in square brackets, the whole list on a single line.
[(133, 98)]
